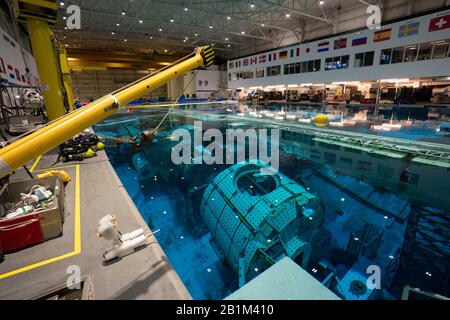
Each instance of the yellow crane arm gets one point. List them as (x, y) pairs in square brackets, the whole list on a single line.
[(60, 130)]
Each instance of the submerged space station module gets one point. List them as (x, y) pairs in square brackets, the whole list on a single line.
[(257, 219)]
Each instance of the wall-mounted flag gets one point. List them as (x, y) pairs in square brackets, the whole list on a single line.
[(408, 29), (382, 35), (262, 59), (2, 66), (23, 78), (10, 67), (340, 43), (200, 82), (274, 56), (270, 57), (308, 50), (11, 75), (359, 41), (17, 74), (283, 55), (245, 62), (439, 23), (254, 60), (298, 52), (323, 46), (292, 53), (206, 83)]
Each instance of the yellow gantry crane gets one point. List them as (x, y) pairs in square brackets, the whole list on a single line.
[(60, 130)]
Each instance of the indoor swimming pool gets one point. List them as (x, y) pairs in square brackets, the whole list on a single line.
[(350, 198)]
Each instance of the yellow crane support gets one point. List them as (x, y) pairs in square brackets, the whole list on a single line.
[(60, 130)]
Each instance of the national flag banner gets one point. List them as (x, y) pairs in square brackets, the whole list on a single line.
[(2, 66), (11, 75), (292, 53), (262, 59), (245, 62), (439, 23), (10, 67), (23, 78), (270, 57), (340, 43), (283, 55), (274, 56), (253, 60), (359, 41), (408, 29), (382, 35), (17, 73), (298, 52), (323, 46)]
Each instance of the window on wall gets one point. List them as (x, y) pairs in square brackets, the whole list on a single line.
[(385, 57), (248, 75), (337, 63), (425, 50), (364, 59), (397, 55), (292, 68), (411, 53), (273, 71), (441, 49), (259, 73)]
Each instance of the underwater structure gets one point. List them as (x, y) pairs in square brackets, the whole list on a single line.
[(257, 219)]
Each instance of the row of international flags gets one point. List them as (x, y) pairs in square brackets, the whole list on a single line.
[(13, 72), (407, 29)]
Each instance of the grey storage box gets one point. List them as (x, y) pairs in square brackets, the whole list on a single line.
[(52, 219)]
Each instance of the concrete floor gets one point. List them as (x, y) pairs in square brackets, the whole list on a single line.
[(145, 274)]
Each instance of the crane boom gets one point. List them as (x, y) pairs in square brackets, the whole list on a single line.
[(60, 130)]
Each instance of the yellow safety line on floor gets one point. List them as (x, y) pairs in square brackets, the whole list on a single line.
[(35, 163), (77, 232)]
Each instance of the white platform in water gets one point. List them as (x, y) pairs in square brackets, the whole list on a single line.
[(285, 280)]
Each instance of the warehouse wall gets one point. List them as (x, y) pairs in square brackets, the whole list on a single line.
[(95, 84), (352, 16)]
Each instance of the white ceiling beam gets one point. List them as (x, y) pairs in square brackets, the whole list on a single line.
[(298, 12)]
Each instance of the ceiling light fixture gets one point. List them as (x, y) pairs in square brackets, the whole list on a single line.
[(125, 40), (151, 37), (252, 4), (228, 18), (113, 33), (61, 4), (171, 20), (196, 34), (64, 17), (186, 9), (242, 32), (288, 15), (263, 25), (210, 26), (321, 2), (123, 13), (159, 29), (117, 24), (140, 21), (226, 39)]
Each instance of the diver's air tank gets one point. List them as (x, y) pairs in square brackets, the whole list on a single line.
[(258, 219)]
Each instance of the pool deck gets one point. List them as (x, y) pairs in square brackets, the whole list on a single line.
[(94, 191)]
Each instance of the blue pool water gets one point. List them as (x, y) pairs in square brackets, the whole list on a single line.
[(169, 199)]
